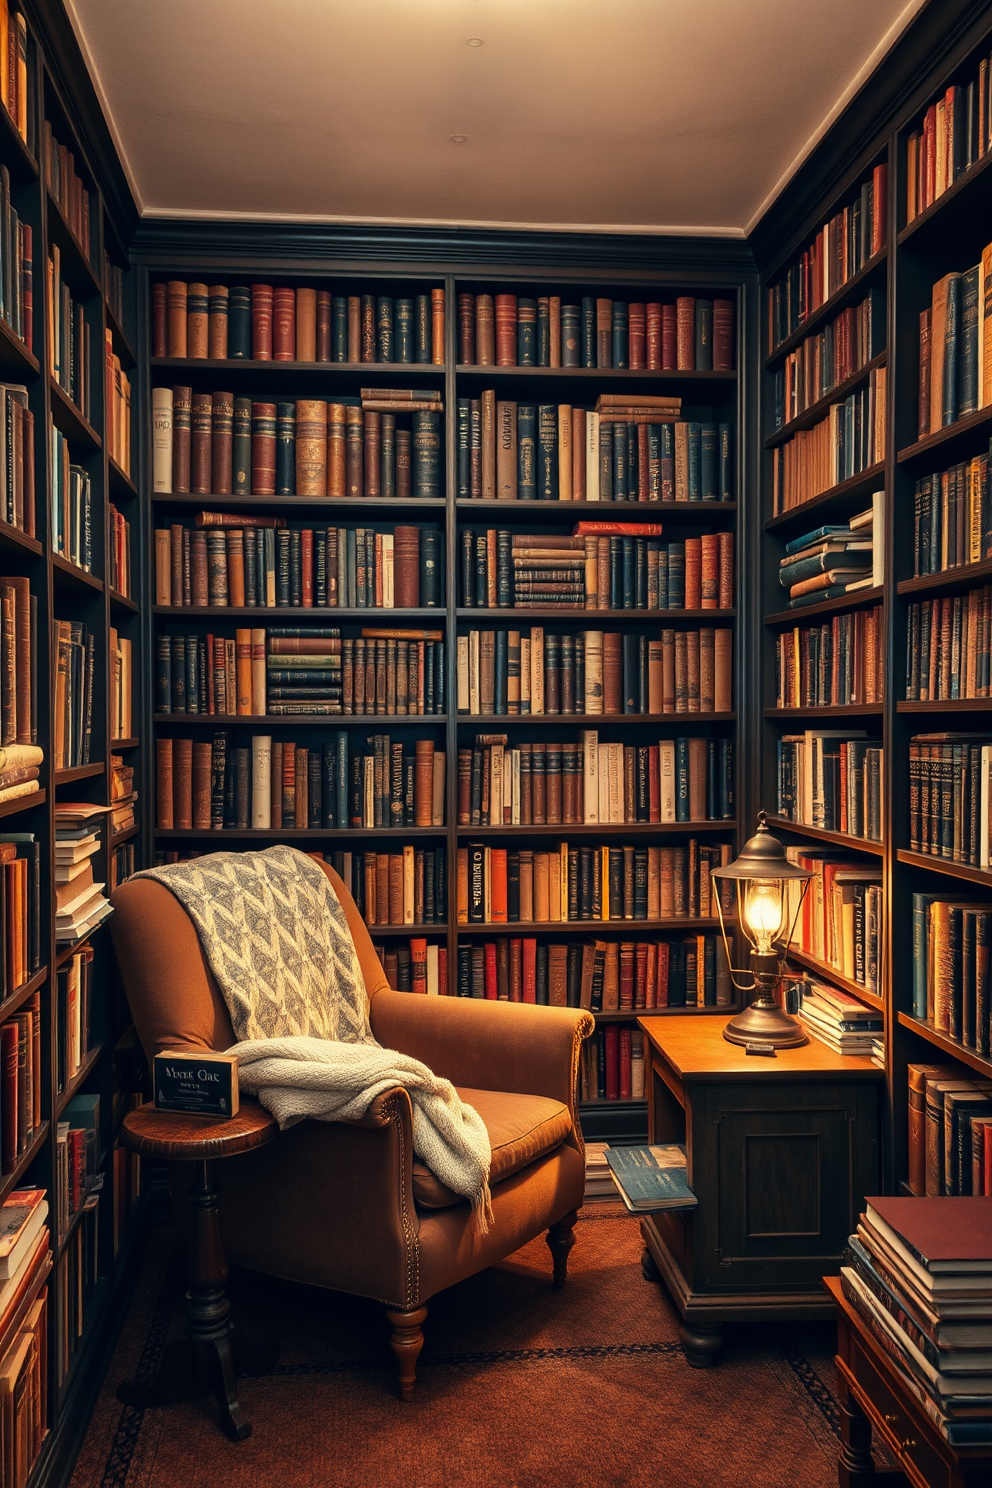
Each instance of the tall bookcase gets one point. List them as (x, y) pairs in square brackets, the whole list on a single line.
[(65, 592), (716, 395), (949, 236)]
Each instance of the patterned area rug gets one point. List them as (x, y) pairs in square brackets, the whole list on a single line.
[(519, 1386)]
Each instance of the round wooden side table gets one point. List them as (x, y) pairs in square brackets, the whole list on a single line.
[(205, 1351)]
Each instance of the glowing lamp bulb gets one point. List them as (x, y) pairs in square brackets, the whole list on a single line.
[(763, 909)]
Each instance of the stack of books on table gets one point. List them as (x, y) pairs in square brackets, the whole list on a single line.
[(599, 1181), (920, 1276), (80, 905), (839, 1020), (878, 1051), (836, 559)]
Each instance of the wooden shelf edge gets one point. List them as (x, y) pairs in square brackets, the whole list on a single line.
[(945, 199), (829, 710), (823, 834), (10, 1180), (586, 829), (20, 995), (963, 576), (79, 772), (23, 803), (850, 487), (821, 407), (860, 599), (81, 1075), (980, 1062), (593, 927), (836, 301), (831, 974), (945, 866), (957, 430)]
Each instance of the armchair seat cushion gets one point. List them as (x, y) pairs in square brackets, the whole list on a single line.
[(521, 1129)]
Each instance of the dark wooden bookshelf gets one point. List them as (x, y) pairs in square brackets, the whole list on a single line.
[(599, 829), (948, 580), (829, 973), (818, 410), (858, 599), (951, 434), (610, 617), (823, 834), (841, 496), (836, 302), (611, 511), (828, 710), (924, 1029), (971, 193)]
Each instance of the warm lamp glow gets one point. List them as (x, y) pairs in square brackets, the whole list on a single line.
[(764, 904)]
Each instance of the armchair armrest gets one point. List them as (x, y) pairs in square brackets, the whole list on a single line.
[(512, 1046)]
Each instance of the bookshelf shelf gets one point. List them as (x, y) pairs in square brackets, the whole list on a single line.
[(822, 834), (841, 710), (612, 511), (860, 599), (63, 569), (76, 269), (837, 301), (120, 481), (586, 720), (946, 866), (925, 1029), (270, 834), (65, 950), (297, 720), (831, 974), (949, 580), (79, 772), (70, 419), (10, 1180), (20, 995), (323, 615), (599, 829), (541, 927), (125, 743), (116, 838), (420, 930), (952, 435), (13, 537), (840, 497), (122, 601), (593, 374), (623, 1103), (818, 410), (287, 503), (15, 359), (950, 705), (22, 803), (366, 372), (79, 1078), (611, 617), (16, 155), (971, 193)]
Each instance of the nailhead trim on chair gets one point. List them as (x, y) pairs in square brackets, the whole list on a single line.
[(391, 1109)]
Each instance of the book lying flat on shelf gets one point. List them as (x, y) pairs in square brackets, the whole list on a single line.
[(650, 1178)]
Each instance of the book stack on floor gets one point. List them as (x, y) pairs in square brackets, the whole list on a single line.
[(81, 903), (827, 666), (25, 1260), (831, 778), (836, 559), (839, 1020), (920, 1277), (949, 1130), (599, 1182)]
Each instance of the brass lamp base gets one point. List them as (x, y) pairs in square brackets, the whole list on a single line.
[(764, 1022)]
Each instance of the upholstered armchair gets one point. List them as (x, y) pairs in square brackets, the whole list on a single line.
[(346, 1205)]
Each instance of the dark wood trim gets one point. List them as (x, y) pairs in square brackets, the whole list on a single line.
[(860, 599), (823, 834), (943, 1041), (837, 301), (821, 407)]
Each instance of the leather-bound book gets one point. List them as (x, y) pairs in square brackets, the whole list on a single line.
[(283, 323), (404, 464), (336, 486), (322, 325), (571, 336), (554, 330), (693, 573), (423, 783), (437, 327), (422, 329), (372, 452), (285, 448), (199, 576), (161, 439), (263, 449), (669, 338), (406, 571), (403, 330), (426, 453), (354, 437), (636, 336), (488, 457), (306, 325), (311, 446), (200, 450), (176, 305), (924, 395), (604, 333), (506, 451), (182, 783), (466, 329), (221, 443), (564, 452), (506, 330), (241, 447), (485, 331), (160, 334), (685, 330), (384, 330), (164, 783), (526, 332), (345, 328), (261, 322), (723, 641), (182, 417), (612, 671), (725, 591), (197, 321), (234, 543), (368, 328), (239, 323), (218, 301), (652, 330), (723, 335)]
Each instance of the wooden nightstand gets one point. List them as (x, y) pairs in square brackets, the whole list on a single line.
[(781, 1153)]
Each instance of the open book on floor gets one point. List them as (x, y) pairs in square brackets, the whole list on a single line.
[(651, 1177)]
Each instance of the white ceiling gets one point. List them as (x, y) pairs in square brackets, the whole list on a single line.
[(647, 115)]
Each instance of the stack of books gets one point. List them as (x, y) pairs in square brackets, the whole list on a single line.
[(651, 1178), (838, 1020), (81, 905), (877, 1051), (599, 1181), (835, 559), (920, 1277)]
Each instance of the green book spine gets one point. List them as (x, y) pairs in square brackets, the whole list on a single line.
[(547, 452), (621, 335), (704, 335), (526, 452), (239, 322), (241, 447), (339, 328), (384, 344), (426, 453), (404, 330), (422, 329)]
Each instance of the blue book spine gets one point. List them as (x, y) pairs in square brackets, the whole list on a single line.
[(682, 780), (526, 452), (968, 343), (693, 443), (708, 462)]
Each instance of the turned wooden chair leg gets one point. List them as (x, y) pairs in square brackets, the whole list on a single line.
[(560, 1241), (406, 1341)]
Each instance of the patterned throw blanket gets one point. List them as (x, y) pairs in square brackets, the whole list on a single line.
[(277, 941)]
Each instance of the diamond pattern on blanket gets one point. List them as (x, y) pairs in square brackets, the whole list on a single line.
[(277, 941)]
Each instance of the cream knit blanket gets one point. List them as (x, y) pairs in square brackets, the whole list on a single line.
[(277, 941)]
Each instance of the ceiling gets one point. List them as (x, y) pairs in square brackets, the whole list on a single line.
[(638, 115)]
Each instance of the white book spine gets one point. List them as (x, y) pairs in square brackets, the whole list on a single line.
[(161, 439), (590, 775), (592, 456), (261, 781)]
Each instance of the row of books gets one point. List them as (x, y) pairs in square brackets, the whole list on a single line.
[(591, 781), (577, 885), (627, 448), (839, 661), (78, 1157), (213, 785), (117, 430), (949, 1141), (952, 135), (840, 250), (420, 966), (599, 975), (283, 323), (78, 837), (129, 1178), (122, 794), (955, 368), (17, 469), (20, 909), (20, 1082), (18, 665), (122, 864), (840, 916), (838, 1020), (850, 439), (118, 551), (407, 886), (113, 287), (824, 360), (951, 990), (72, 505), (831, 778), (952, 517), (507, 330), (601, 566), (839, 558), (14, 92), (68, 189), (25, 1258), (73, 993), (948, 643), (216, 443), (918, 1276), (400, 674), (16, 268), (540, 673), (68, 337), (611, 1066), (75, 657), (949, 801), (76, 1277), (262, 564)]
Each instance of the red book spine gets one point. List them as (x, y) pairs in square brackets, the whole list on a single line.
[(880, 205), (506, 330), (323, 325), (723, 335), (636, 337), (685, 329), (261, 322), (669, 359), (654, 783), (491, 989), (661, 996), (625, 1064), (159, 333), (529, 959), (442, 971), (611, 1043), (693, 573), (651, 976), (306, 567), (653, 336), (283, 324), (516, 970)]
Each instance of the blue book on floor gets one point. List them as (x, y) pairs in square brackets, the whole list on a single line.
[(651, 1177)]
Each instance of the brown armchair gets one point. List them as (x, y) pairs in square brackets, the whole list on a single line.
[(346, 1205)]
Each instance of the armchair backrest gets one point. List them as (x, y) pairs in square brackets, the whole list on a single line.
[(174, 999)]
